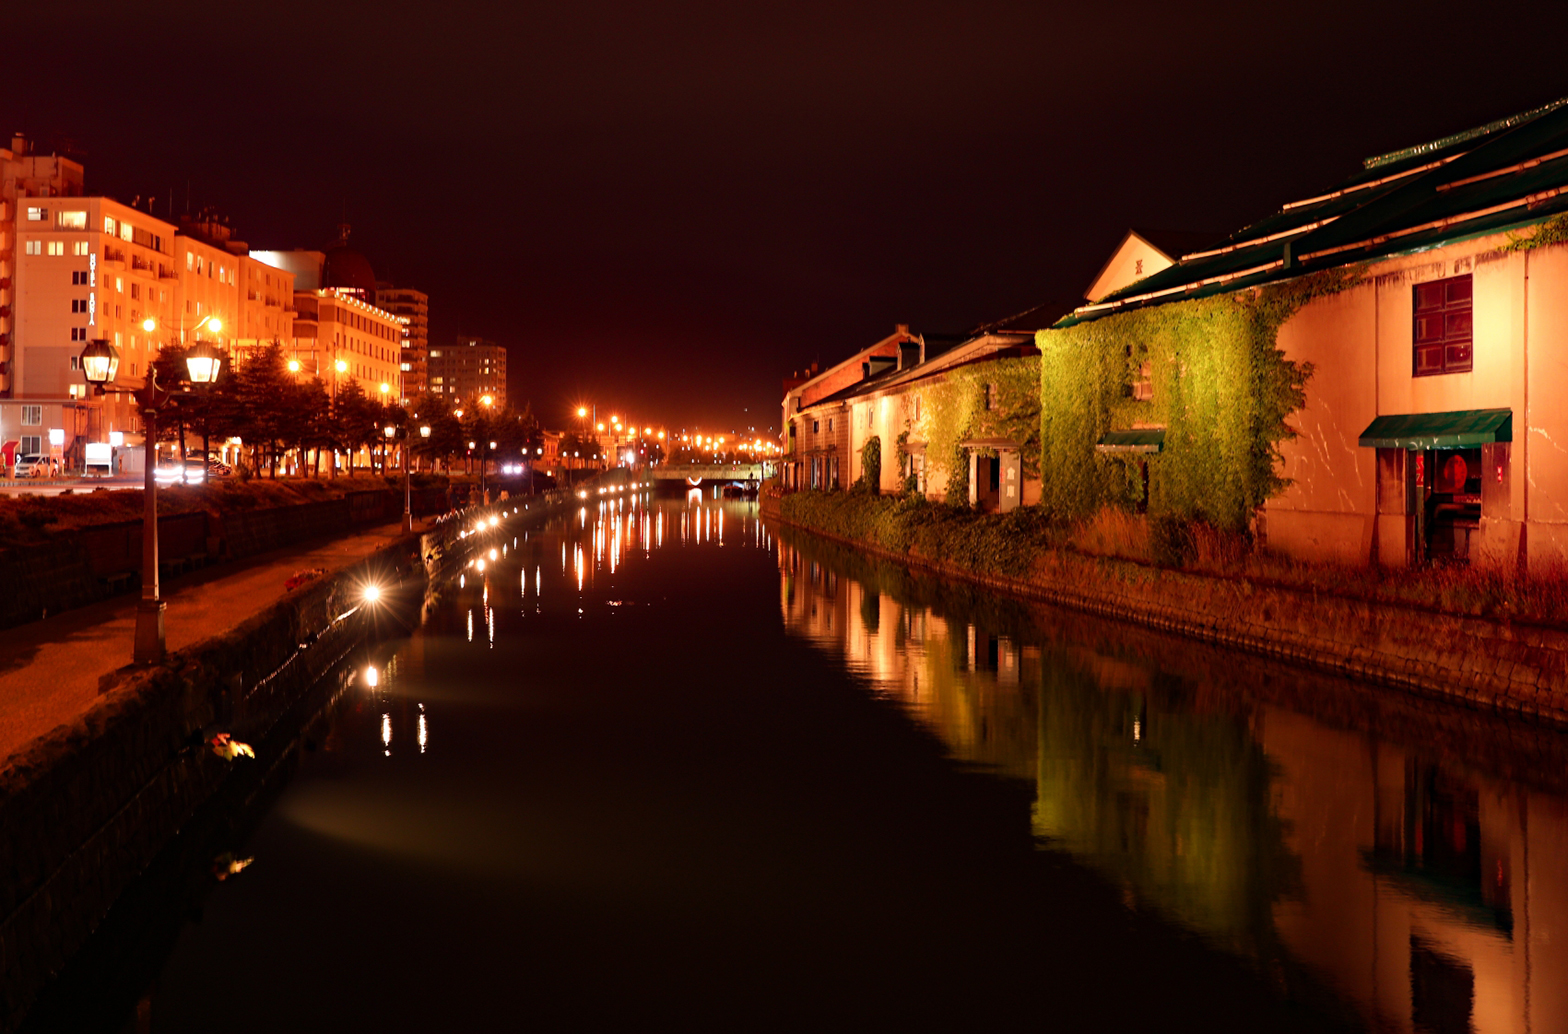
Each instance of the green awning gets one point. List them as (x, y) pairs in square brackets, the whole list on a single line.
[(1144, 439), (1464, 429)]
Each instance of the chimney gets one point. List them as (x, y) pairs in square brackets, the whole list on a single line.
[(18, 144)]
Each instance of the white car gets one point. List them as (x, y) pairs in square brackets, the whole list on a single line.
[(30, 467)]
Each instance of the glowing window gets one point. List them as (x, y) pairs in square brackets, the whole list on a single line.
[(72, 220)]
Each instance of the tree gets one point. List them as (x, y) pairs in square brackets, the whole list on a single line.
[(356, 419), (263, 391)]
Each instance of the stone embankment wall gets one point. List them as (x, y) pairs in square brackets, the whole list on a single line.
[(88, 807), (92, 563), (1510, 667)]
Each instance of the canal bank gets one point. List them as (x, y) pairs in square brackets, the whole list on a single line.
[(87, 806), (1511, 667)]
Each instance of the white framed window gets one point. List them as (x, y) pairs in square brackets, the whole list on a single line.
[(36, 215), (55, 247), (72, 220), (33, 247), (32, 445), (108, 225), (125, 231), (32, 416), (190, 262), (79, 248)]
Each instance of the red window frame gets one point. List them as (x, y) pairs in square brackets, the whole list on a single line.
[(1442, 327)]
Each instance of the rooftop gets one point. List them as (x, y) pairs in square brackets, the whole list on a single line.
[(1504, 175)]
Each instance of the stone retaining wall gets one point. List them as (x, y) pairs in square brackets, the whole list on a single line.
[(1513, 668)]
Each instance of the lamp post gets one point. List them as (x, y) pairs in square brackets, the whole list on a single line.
[(339, 366), (100, 361), (401, 434)]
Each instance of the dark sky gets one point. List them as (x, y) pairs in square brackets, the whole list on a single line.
[(666, 207)]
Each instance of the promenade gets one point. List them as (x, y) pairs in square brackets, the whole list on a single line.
[(50, 670)]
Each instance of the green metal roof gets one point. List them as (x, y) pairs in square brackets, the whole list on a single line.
[(1144, 439), (1466, 428), (1511, 173)]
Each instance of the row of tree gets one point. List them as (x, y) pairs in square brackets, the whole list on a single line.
[(280, 416)]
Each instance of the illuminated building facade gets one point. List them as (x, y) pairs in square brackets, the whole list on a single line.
[(468, 368), (1432, 329), (338, 323), (413, 309)]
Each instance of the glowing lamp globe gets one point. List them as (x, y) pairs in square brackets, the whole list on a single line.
[(203, 363), (100, 362)]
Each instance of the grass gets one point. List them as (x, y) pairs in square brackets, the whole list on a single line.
[(1017, 544)]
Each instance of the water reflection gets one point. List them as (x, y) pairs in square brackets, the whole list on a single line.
[(1413, 860)]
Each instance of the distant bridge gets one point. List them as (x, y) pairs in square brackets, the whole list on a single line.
[(696, 473)]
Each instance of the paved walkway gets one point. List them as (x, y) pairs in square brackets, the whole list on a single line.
[(49, 670)]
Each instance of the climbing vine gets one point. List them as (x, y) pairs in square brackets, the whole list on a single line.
[(1208, 371), (870, 479), (955, 409), (1553, 231)]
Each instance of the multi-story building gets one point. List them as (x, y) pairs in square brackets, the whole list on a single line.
[(413, 309), (88, 268), (339, 333), (469, 368)]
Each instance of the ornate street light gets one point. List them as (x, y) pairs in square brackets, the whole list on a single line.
[(395, 433), (100, 361)]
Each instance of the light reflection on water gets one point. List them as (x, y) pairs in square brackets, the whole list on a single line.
[(1394, 867)]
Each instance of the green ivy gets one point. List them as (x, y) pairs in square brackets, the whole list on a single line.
[(1553, 231), (953, 410), (1222, 389), (870, 479)]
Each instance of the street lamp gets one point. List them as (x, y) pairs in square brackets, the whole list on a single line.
[(395, 433), (100, 361)]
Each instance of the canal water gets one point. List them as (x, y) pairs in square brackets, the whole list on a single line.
[(660, 763)]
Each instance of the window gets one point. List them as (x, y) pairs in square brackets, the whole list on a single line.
[(76, 361), (78, 304), (125, 231), (991, 402), (32, 445), (32, 416), (78, 333), (830, 425), (33, 247), (73, 220), (816, 426), (35, 215), (55, 247), (1442, 332), (108, 225), (119, 284), (78, 277), (79, 248)]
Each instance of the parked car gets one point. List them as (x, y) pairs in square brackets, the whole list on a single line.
[(218, 469), (30, 467)]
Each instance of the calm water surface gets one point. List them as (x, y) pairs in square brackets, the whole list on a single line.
[(661, 764)]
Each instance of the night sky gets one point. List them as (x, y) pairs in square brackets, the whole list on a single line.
[(666, 207)]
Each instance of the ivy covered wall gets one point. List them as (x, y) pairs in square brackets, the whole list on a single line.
[(1208, 371), (953, 410)]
